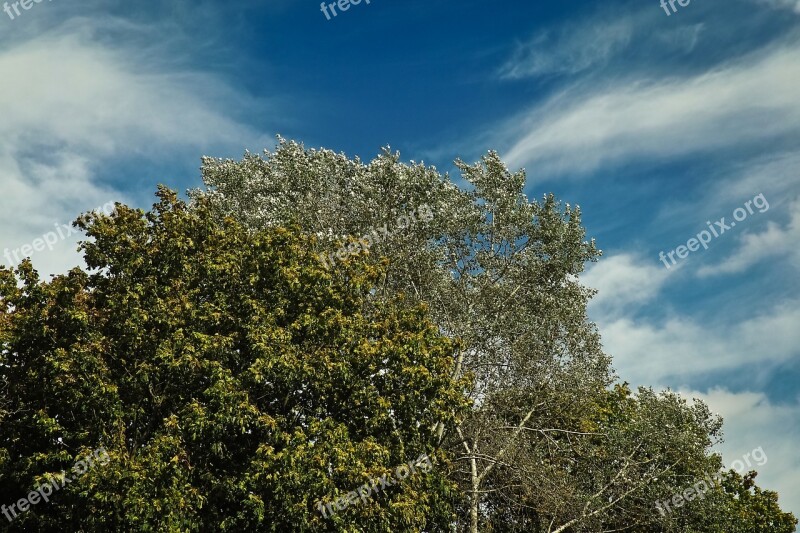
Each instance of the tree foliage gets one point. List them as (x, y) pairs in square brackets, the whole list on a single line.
[(238, 375), (233, 381), (547, 445)]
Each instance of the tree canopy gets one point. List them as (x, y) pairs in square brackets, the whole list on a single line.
[(232, 380), (309, 323), (539, 449)]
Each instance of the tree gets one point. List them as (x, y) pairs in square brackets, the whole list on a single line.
[(233, 382), (734, 505), (500, 274), (752, 509), (605, 467)]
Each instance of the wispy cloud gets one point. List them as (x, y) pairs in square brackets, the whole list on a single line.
[(568, 50), (684, 38), (682, 349), (623, 282), (754, 247), (588, 126), (793, 5), (676, 348), (84, 106)]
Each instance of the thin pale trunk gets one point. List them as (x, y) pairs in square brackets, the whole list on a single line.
[(475, 498), (475, 483)]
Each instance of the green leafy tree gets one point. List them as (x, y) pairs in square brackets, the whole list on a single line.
[(233, 381), (750, 508), (604, 468), (733, 505), (499, 272)]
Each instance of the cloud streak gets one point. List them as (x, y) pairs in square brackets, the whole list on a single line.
[(752, 248), (568, 50), (588, 126)]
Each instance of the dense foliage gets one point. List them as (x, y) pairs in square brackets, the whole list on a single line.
[(233, 381), (547, 445), (307, 324)]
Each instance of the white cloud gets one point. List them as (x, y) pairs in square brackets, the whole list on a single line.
[(588, 126), (101, 99), (678, 349), (675, 349), (72, 107), (793, 5), (755, 247), (568, 50), (623, 281)]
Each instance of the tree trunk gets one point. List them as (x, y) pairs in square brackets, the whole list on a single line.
[(475, 497)]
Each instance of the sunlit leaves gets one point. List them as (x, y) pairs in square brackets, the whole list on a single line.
[(234, 381)]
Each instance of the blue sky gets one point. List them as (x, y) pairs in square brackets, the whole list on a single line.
[(653, 124)]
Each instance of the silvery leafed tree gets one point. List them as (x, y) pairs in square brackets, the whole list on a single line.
[(549, 445)]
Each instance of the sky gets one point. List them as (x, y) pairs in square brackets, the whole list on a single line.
[(656, 122)]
